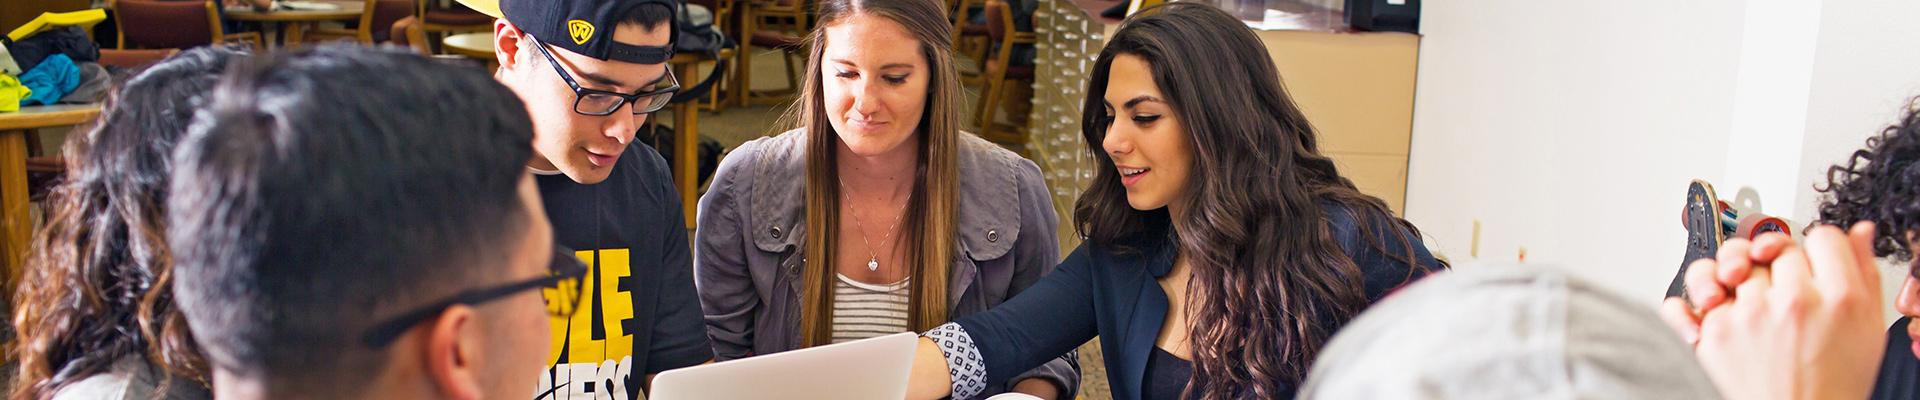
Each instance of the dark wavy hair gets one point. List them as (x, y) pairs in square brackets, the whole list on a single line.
[(1270, 283), (96, 284), (1880, 183)]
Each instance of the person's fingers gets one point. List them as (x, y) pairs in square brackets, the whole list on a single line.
[(1732, 264), (1830, 253), (1789, 270), (1681, 318), (1757, 284), (1701, 288), (1768, 247), (1862, 235)]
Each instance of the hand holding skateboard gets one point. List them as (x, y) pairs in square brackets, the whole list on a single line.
[(1772, 319)]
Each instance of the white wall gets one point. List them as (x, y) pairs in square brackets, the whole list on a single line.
[(1868, 66), (1866, 69), (1572, 128)]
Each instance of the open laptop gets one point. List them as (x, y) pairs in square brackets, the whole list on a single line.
[(875, 368)]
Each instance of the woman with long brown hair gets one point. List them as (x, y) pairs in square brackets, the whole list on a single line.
[(1222, 249), (875, 214), (95, 314)]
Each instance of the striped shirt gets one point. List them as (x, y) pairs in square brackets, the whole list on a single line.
[(862, 310)]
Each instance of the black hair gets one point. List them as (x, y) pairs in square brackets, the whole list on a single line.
[(329, 187), (1880, 183), (100, 266), (648, 15)]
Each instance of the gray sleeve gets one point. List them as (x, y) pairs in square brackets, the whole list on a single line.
[(1035, 254), (1064, 372), (720, 262)]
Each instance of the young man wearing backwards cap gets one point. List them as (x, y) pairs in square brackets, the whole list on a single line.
[(590, 73)]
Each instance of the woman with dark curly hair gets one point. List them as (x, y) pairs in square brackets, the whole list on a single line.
[(1222, 249), (95, 315), (1881, 184)]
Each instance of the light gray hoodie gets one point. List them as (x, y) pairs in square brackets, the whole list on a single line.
[(1507, 332)]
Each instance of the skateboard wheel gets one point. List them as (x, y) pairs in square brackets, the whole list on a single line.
[(1752, 226)]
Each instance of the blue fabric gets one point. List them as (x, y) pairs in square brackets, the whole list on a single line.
[(52, 79), (1116, 296), (1899, 370)]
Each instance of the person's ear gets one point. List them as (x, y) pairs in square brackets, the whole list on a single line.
[(453, 342), (506, 43)]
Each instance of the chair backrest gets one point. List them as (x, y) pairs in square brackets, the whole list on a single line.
[(999, 20), (383, 14), (957, 15), (134, 59), (167, 24)]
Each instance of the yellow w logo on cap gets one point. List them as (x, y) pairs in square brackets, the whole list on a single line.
[(580, 30)]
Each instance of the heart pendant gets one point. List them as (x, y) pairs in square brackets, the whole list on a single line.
[(873, 264)]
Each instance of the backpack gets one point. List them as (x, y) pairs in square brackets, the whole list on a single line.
[(697, 35), (662, 139)]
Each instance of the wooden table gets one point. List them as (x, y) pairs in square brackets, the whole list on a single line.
[(15, 222), (294, 22), (686, 115), (477, 45)]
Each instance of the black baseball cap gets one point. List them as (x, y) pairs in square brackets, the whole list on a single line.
[(583, 26)]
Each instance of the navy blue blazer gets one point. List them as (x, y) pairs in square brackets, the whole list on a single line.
[(1117, 297)]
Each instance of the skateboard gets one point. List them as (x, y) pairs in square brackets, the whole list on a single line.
[(1709, 222)]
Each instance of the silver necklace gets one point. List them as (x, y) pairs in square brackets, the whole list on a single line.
[(873, 259)]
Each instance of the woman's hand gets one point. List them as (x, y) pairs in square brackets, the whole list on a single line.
[(1038, 387)]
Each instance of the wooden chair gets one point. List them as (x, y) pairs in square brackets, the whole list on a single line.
[(1000, 73), (407, 32), (134, 59), (781, 25), (376, 20), (173, 24), (969, 38)]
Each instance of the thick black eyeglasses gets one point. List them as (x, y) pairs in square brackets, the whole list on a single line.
[(601, 103), (560, 288)]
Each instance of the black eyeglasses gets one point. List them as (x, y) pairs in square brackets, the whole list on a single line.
[(601, 103), (560, 288)]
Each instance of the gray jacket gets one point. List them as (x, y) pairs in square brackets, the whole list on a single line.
[(752, 222)]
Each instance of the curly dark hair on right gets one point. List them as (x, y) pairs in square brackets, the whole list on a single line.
[(1881, 184)]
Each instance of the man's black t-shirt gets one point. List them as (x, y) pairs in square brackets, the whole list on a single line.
[(1899, 370), (639, 313)]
